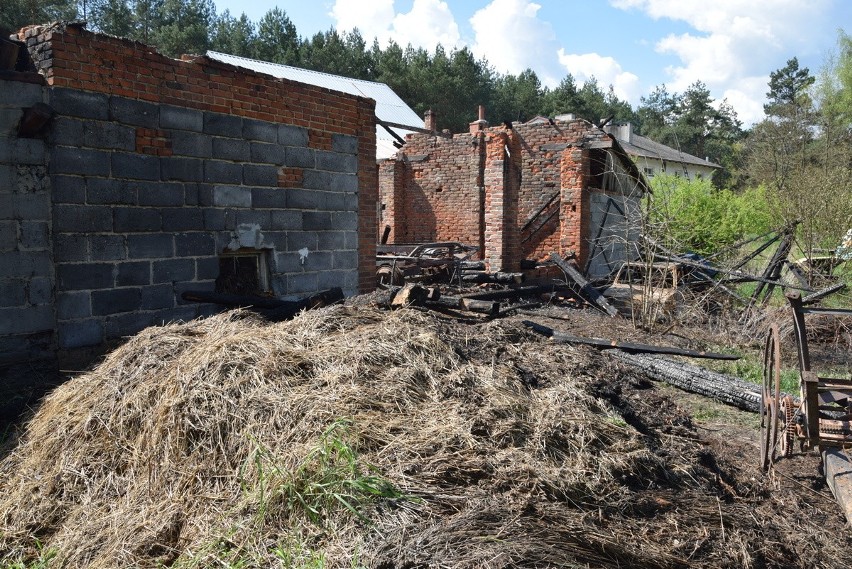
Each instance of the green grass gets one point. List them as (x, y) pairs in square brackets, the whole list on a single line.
[(41, 560)]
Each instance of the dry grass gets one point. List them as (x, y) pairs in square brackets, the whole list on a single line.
[(349, 437)]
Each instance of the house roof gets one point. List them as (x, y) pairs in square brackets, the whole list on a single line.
[(637, 145), (389, 107)]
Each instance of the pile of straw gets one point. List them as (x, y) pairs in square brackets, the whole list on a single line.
[(348, 437)]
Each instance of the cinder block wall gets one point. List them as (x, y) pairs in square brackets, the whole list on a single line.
[(26, 269), (155, 167), (517, 193)]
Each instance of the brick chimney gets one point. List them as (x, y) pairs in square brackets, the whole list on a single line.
[(430, 120), (480, 124)]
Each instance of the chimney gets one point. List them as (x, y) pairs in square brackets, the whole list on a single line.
[(623, 132), (480, 124), (430, 121)]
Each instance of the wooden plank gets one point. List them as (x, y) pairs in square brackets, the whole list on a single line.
[(629, 347), (838, 474), (587, 291), (417, 129)]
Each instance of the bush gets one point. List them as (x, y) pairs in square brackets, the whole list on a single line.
[(692, 215)]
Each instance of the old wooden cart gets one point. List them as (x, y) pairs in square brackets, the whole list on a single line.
[(820, 418)]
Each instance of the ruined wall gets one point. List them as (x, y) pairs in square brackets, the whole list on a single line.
[(157, 167), (26, 269), (519, 193)]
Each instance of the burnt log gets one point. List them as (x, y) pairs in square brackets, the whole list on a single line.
[(720, 387), (585, 289), (498, 277)]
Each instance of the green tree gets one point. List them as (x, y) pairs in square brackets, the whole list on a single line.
[(788, 87), (233, 36), (111, 17), (278, 41), (15, 14), (185, 27), (517, 98), (564, 98)]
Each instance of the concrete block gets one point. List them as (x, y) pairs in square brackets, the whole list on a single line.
[(66, 131), (232, 196), (231, 149), (345, 221), (115, 301), (260, 175), (319, 261), (70, 247), (275, 239), (123, 325), (178, 314), (84, 162), (109, 135), (133, 273), (350, 282), (223, 125), (8, 235), (7, 173), (305, 199), (128, 219), (260, 130), (135, 166), (160, 193), (331, 240), (40, 290), (82, 219), (205, 195), (185, 143), (345, 259), (16, 93), (351, 238), (107, 247), (350, 202), (299, 157), (302, 283), (336, 201), (183, 219), (156, 297), (219, 219), (329, 181), (81, 333), (27, 151), (220, 172), (73, 305), (344, 143), (207, 268), (316, 221), (285, 219), (25, 206), (331, 279), (150, 246), (173, 270), (337, 162), (84, 276), (34, 234), (75, 103), (181, 118), (258, 217), (32, 264), (269, 197), (26, 320), (289, 135), (13, 293), (68, 189), (133, 112), (267, 153), (9, 120), (194, 244), (297, 240), (182, 169), (110, 191)]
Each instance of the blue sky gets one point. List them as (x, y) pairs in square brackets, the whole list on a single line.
[(634, 45)]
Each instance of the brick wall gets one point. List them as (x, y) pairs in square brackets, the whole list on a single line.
[(518, 193), (156, 166)]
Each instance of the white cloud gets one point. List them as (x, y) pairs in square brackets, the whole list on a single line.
[(606, 70), (429, 22), (510, 35), (736, 40), (747, 98)]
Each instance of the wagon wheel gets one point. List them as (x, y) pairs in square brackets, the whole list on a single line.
[(770, 398)]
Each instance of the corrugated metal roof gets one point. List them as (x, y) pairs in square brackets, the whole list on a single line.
[(642, 146), (389, 107)]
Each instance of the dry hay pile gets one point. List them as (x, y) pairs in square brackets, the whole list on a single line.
[(350, 438)]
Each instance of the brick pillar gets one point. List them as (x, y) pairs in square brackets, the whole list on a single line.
[(430, 120), (574, 203), (498, 203)]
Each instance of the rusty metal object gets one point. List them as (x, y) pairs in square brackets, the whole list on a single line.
[(424, 262)]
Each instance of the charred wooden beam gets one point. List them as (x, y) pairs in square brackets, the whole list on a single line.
[(586, 290), (820, 294), (630, 347)]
